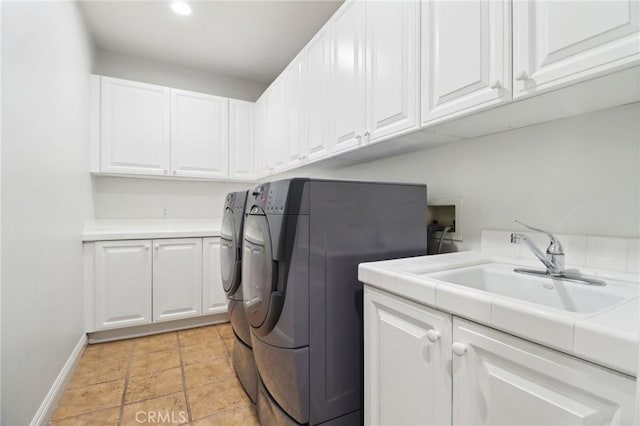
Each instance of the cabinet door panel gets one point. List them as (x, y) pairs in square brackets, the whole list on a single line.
[(501, 379), (214, 300), (552, 47), (123, 283), (241, 140), (199, 135), (135, 128), (407, 376), (317, 106), (177, 278), (277, 125), (466, 57), (295, 98), (348, 82), (259, 138), (392, 53)]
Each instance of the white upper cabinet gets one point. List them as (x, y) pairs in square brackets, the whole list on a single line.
[(267, 114), (135, 127), (406, 363), (154, 130), (562, 42), (347, 94), (177, 278), (277, 126), (242, 149), (316, 131), (214, 300), (122, 283), (499, 379), (295, 101), (466, 57), (259, 132), (199, 135), (392, 60)]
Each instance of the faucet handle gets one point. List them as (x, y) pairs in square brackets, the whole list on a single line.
[(555, 247)]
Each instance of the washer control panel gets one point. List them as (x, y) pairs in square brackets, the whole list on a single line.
[(270, 197), (236, 200)]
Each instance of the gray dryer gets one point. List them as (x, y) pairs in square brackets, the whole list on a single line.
[(303, 241)]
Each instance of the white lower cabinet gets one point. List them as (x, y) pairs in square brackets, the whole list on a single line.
[(136, 282), (177, 278), (214, 301), (499, 379), (423, 366), (122, 283), (407, 353)]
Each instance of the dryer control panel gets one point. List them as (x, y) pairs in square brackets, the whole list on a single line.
[(269, 197), (279, 197)]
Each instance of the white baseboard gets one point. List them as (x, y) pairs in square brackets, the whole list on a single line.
[(157, 327), (45, 412)]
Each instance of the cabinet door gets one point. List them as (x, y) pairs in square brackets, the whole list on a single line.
[(466, 57), (348, 83), (392, 71), (277, 127), (241, 140), (123, 283), (199, 135), (177, 278), (562, 42), (499, 379), (407, 355), (317, 105), (260, 149), (214, 301), (295, 97), (135, 128)]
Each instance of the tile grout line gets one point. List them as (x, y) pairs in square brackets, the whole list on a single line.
[(69, 387), (87, 412), (184, 381), (126, 383)]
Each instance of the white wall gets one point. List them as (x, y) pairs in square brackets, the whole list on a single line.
[(129, 198), (46, 195), (577, 175), (171, 75)]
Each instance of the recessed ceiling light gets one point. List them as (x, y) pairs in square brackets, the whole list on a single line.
[(181, 8)]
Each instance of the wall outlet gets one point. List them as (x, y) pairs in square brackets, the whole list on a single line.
[(165, 212)]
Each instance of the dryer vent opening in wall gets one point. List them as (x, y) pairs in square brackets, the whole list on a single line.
[(447, 212)]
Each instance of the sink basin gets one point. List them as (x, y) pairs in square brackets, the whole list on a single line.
[(500, 279)]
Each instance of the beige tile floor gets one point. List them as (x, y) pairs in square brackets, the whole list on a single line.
[(183, 377)]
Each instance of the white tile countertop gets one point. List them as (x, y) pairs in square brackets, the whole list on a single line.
[(134, 229), (608, 337)]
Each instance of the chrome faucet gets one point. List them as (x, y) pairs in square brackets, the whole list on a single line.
[(553, 259)]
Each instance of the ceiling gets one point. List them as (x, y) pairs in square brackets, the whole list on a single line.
[(250, 40)]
